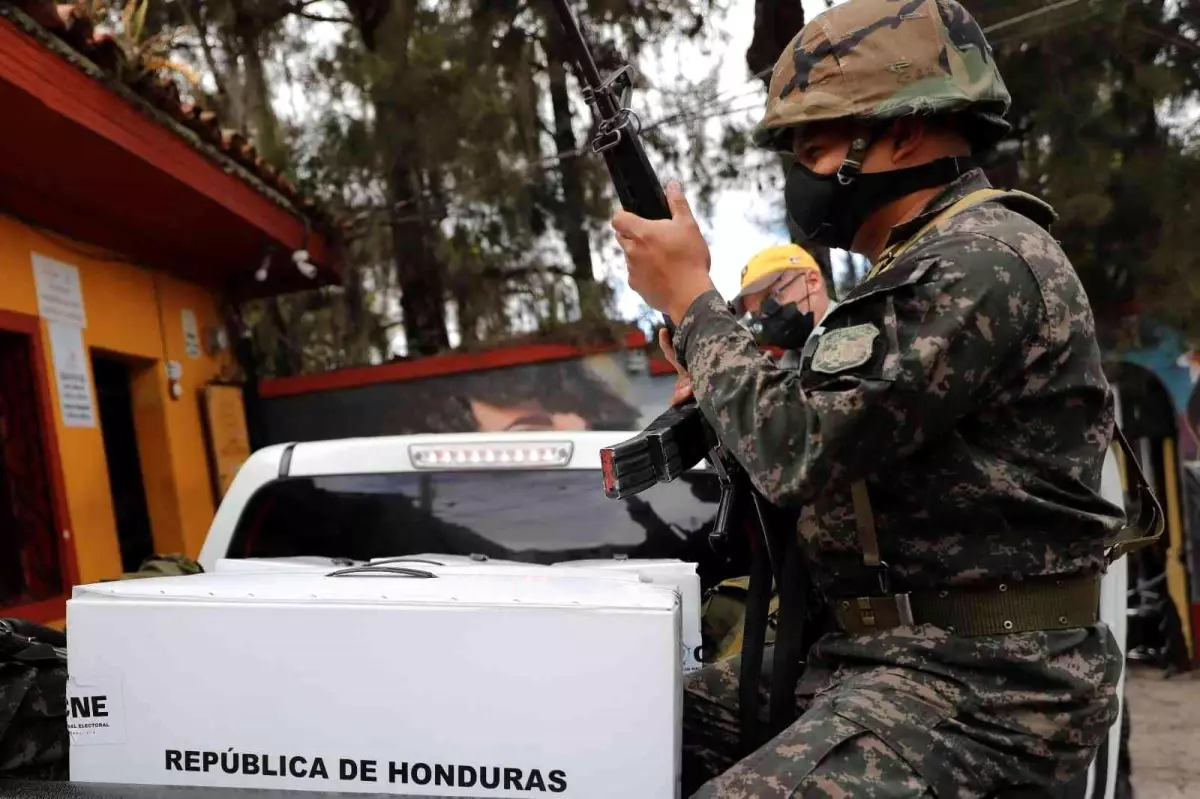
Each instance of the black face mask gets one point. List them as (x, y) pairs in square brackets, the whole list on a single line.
[(784, 326), (829, 209)]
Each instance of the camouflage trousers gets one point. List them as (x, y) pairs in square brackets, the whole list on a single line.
[(941, 717), (33, 722)]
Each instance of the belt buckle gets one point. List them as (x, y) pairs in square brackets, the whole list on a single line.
[(903, 610), (903, 606), (866, 606)]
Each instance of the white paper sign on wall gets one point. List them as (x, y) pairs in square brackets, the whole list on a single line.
[(59, 292), (191, 334), (71, 375)]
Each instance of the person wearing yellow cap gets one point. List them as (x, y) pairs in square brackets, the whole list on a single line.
[(783, 288)]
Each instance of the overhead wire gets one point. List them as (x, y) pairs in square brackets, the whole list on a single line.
[(742, 90), (700, 114), (717, 105), (1028, 34), (1037, 12), (748, 87), (546, 164)]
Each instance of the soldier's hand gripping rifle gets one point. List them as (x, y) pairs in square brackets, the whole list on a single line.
[(680, 437)]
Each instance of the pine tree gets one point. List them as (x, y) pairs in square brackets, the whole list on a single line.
[(1090, 82)]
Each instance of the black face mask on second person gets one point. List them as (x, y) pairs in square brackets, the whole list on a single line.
[(784, 326), (829, 209)]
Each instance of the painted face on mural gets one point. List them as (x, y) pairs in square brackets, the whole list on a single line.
[(572, 394), (567, 395), (525, 415)]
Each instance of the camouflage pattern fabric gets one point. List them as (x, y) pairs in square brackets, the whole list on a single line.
[(964, 385), (911, 713), (723, 612), (163, 566), (880, 59), (33, 705)]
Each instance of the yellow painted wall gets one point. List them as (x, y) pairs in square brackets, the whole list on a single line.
[(122, 303)]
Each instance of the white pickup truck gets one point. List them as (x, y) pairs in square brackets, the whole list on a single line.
[(500, 496), (532, 497)]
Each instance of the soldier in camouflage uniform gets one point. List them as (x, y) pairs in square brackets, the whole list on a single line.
[(942, 443)]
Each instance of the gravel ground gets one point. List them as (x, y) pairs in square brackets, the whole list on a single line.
[(1164, 739)]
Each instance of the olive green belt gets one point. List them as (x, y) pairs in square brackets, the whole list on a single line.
[(997, 609)]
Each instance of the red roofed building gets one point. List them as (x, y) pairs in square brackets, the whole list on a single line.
[(126, 219)]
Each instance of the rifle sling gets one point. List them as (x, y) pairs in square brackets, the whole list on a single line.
[(1148, 527), (758, 602), (788, 659)]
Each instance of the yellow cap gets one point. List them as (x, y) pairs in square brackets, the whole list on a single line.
[(765, 267)]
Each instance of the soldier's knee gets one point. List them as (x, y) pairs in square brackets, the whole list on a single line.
[(823, 754), (864, 765)]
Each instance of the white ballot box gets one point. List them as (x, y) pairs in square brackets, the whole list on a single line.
[(681, 575), (454, 684), (666, 572)]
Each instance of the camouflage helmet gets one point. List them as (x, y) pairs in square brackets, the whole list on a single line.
[(877, 60)]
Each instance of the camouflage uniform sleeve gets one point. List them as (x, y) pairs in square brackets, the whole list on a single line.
[(897, 366)]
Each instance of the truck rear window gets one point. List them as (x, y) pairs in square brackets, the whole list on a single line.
[(530, 516)]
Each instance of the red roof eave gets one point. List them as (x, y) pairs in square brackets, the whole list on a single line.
[(196, 187), (441, 365)]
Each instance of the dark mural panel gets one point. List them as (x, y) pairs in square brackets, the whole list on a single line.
[(597, 392)]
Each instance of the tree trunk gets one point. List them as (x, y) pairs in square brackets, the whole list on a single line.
[(573, 214), (285, 360), (233, 101), (468, 316), (419, 271), (776, 22), (259, 115)]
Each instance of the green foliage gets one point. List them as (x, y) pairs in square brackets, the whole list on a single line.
[(1092, 85), (454, 136), (463, 94)]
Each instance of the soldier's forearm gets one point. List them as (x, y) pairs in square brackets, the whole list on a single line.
[(757, 410)]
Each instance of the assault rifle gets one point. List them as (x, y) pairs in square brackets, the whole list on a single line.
[(680, 437)]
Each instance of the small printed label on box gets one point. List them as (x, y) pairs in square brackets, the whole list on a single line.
[(95, 711)]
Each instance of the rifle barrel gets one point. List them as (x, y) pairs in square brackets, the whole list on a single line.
[(583, 56)]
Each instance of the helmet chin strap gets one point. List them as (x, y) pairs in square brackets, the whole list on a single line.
[(852, 164), (906, 179)]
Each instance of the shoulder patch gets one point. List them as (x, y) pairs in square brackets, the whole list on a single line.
[(844, 348)]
